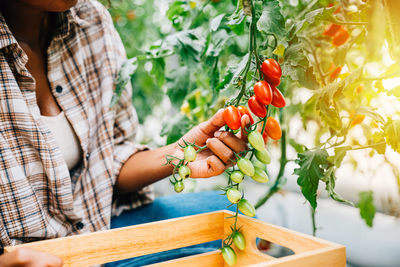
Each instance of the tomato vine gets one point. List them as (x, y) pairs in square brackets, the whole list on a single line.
[(217, 50)]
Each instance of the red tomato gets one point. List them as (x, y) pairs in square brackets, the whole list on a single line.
[(256, 107), (331, 29), (278, 100), (337, 10), (340, 37), (232, 117), (273, 128), (272, 71), (263, 92), (335, 73), (243, 110)]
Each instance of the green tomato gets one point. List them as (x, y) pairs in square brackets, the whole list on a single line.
[(179, 186), (239, 241), (246, 166), (256, 140), (263, 156), (237, 177), (258, 164), (229, 255), (189, 153), (233, 195), (184, 172), (246, 208), (260, 176)]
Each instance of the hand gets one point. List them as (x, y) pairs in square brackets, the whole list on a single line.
[(221, 146), (26, 257)]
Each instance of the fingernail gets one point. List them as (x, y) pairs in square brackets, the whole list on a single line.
[(217, 134)]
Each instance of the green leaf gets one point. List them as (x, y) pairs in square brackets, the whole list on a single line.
[(340, 153), (127, 69), (378, 138), (271, 20), (330, 182), (395, 92), (366, 206), (178, 85), (188, 45), (370, 112), (175, 128), (392, 134), (314, 16), (216, 22), (312, 165)]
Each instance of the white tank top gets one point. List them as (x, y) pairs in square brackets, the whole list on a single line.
[(66, 138)]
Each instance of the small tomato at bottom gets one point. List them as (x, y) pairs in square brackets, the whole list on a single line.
[(229, 255), (179, 186)]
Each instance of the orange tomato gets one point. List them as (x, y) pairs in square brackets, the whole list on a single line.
[(273, 128), (357, 119)]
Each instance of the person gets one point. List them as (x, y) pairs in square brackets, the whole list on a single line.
[(68, 161)]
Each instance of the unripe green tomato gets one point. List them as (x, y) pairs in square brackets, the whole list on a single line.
[(189, 153), (237, 177), (229, 255), (256, 140), (179, 186), (258, 164), (260, 176), (246, 166), (233, 195), (184, 172), (263, 156), (239, 241), (246, 208)]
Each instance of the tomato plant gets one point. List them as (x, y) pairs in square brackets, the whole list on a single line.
[(222, 49)]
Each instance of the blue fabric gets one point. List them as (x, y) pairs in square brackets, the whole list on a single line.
[(163, 208)]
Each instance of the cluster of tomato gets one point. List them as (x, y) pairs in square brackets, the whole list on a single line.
[(338, 33), (265, 94)]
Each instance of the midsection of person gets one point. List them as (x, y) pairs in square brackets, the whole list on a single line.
[(59, 59)]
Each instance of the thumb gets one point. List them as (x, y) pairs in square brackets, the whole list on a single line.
[(216, 166)]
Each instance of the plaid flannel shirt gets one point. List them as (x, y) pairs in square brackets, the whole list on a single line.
[(39, 197)]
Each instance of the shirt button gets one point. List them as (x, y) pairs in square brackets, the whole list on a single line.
[(79, 225), (59, 89), (87, 156)]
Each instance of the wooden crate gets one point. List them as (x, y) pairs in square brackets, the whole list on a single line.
[(122, 243)]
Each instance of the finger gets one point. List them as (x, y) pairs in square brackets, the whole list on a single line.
[(215, 166), (220, 149), (213, 124), (231, 140), (245, 122)]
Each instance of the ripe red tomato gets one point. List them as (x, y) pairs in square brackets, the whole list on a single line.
[(340, 37), (232, 117), (273, 128), (335, 73), (263, 92), (272, 71), (256, 107), (243, 110), (278, 100), (331, 29)]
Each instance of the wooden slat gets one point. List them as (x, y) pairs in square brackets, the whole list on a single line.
[(253, 228), (122, 243), (326, 257), (209, 259), (133, 241)]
